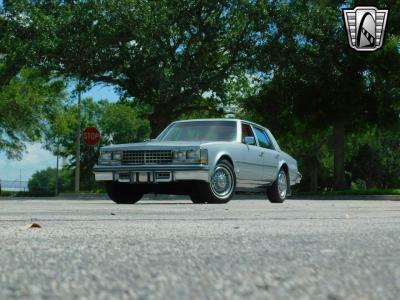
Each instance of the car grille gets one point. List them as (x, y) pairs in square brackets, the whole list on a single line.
[(147, 157)]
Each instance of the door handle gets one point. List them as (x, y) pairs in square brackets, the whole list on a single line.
[(261, 154)]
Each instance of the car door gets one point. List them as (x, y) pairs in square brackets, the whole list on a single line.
[(269, 157), (251, 169)]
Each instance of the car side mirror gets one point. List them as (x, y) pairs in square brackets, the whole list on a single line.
[(249, 140)]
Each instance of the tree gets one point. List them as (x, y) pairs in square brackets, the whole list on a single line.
[(27, 104), (118, 123), (376, 162), (43, 182), (164, 54), (316, 80), (174, 59)]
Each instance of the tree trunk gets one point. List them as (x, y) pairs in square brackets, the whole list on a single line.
[(314, 175), (338, 155), (158, 121)]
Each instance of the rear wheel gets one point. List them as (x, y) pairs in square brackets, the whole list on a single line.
[(123, 193), (277, 192), (220, 189)]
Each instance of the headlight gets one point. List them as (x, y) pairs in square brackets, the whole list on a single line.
[(109, 157), (116, 156), (106, 156), (191, 156), (180, 155)]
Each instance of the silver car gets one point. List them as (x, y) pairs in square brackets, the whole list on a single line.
[(208, 159)]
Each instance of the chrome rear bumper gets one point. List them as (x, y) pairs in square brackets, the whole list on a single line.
[(298, 178)]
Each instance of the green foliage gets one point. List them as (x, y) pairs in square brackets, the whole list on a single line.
[(27, 104), (117, 122), (7, 193), (120, 123), (283, 64), (377, 161), (43, 182), (314, 84), (164, 54), (362, 191)]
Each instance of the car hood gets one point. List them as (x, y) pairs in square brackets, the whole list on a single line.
[(154, 145)]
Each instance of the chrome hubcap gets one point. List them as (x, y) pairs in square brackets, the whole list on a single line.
[(282, 184), (222, 182)]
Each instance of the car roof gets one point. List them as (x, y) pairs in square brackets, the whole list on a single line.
[(228, 119), (220, 119)]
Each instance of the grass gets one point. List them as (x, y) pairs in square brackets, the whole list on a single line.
[(356, 192), (23, 194), (5, 193), (376, 191)]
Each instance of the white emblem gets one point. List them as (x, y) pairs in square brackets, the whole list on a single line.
[(365, 27)]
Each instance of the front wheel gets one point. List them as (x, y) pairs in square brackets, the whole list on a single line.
[(221, 187), (278, 190), (196, 198), (123, 193)]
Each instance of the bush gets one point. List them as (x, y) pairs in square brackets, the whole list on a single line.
[(43, 182), (7, 193)]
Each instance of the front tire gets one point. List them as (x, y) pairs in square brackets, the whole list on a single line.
[(221, 187), (123, 193), (196, 198), (277, 192)]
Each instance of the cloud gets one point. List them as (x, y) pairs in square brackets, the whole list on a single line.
[(36, 158)]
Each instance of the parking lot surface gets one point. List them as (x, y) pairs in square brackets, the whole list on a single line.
[(246, 249)]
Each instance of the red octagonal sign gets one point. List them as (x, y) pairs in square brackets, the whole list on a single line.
[(91, 136)]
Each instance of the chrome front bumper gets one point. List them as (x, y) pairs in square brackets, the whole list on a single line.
[(151, 173)]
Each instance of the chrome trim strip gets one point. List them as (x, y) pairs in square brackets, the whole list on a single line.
[(202, 175), (104, 176), (119, 168), (151, 177), (157, 179)]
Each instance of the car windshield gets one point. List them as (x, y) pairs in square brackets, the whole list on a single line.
[(201, 131)]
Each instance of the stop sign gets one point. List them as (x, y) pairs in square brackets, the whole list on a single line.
[(91, 136)]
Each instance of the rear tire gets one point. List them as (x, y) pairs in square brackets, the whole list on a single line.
[(278, 191), (221, 188), (123, 193)]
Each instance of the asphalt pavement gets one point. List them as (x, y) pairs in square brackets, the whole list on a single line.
[(246, 249)]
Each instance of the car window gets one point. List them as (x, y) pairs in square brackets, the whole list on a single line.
[(246, 131), (200, 131), (263, 139)]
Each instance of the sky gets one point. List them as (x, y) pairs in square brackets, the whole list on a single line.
[(36, 158)]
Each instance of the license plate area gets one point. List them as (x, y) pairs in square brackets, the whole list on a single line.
[(144, 176), (124, 177), (164, 176)]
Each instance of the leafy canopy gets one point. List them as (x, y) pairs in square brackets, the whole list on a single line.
[(28, 103), (164, 54)]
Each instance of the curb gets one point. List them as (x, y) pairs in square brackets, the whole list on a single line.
[(155, 197), (348, 197)]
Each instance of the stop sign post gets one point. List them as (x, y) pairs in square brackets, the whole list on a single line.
[(91, 136)]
